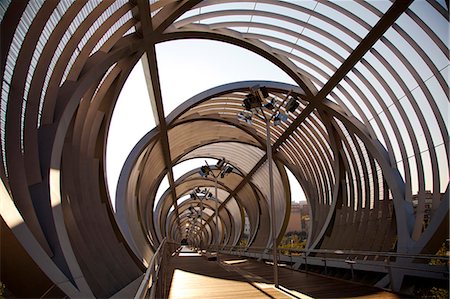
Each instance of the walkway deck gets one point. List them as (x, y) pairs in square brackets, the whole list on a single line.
[(234, 277)]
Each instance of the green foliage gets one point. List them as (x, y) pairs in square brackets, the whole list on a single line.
[(2, 290), (436, 292), (243, 242), (293, 241), (439, 293), (443, 251)]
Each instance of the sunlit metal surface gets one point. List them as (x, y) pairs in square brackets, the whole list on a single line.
[(368, 143)]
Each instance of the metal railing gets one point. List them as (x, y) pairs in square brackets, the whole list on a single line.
[(389, 263), (154, 283)]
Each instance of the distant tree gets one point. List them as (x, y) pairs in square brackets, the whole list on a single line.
[(243, 242), (2, 290), (292, 241)]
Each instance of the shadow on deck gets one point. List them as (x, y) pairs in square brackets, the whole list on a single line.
[(192, 276)]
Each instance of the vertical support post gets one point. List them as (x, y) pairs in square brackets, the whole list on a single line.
[(353, 272), (351, 263), (290, 258), (272, 205), (200, 245), (217, 217), (391, 280), (306, 262)]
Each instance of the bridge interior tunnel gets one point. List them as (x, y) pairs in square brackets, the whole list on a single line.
[(366, 134)]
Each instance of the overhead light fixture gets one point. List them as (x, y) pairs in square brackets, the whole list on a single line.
[(279, 118), (223, 168), (251, 102), (204, 171), (269, 112), (292, 104), (264, 92), (220, 163), (228, 169), (270, 105), (245, 116)]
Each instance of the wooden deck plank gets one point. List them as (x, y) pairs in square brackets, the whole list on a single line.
[(232, 277), (309, 284), (196, 277)]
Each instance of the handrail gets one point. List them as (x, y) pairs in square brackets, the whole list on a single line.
[(149, 282), (339, 252), (420, 265)]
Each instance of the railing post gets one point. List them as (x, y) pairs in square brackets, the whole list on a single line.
[(389, 268), (151, 285), (290, 258), (353, 273), (306, 262), (351, 263)]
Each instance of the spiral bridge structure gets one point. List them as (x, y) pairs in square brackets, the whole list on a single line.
[(368, 142)]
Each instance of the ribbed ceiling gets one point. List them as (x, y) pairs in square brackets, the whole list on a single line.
[(368, 142)]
